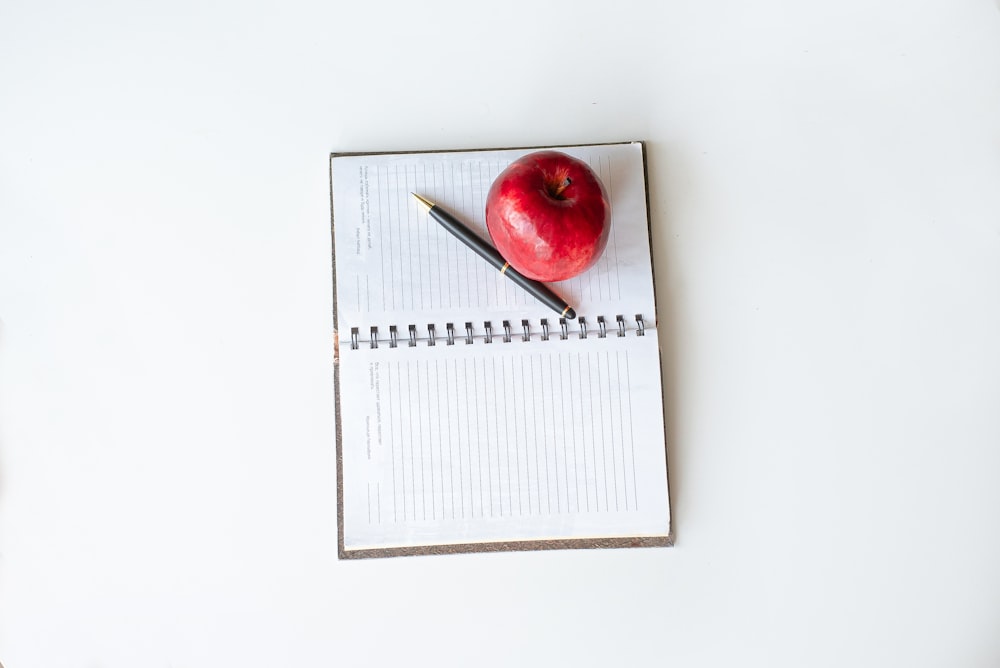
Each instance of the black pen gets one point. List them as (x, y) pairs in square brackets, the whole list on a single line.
[(490, 254)]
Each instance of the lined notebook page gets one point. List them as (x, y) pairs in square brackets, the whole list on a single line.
[(396, 265), (503, 441)]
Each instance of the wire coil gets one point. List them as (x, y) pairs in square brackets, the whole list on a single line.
[(486, 334)]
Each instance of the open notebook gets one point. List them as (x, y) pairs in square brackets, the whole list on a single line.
[(469, 416)]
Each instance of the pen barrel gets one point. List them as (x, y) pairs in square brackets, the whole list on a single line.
[(538, 290), (468, 237)]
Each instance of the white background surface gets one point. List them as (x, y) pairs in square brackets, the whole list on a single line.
[(826, 211)]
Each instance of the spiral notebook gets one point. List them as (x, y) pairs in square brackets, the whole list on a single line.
[(470, 417)]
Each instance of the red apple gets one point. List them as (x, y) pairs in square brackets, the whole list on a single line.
[(549, 216)]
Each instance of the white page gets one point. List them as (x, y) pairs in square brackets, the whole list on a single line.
[(503, 441), (396, 266)]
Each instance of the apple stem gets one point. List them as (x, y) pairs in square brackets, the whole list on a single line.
[(562, 186)]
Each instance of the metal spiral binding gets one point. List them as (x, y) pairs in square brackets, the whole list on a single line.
[(583, 331)]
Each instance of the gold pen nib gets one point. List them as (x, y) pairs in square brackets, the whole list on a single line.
[(427, 203)]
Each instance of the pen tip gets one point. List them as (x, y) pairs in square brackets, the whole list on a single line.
[(427, 203), (570, 314)]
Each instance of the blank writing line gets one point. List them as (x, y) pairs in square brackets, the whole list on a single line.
[(555, 453), (631, 434), (583, 439), (611, 435), (604, 444), (621, 426), (447, 389)]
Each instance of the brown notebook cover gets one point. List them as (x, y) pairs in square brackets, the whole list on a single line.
[(468, 417)]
